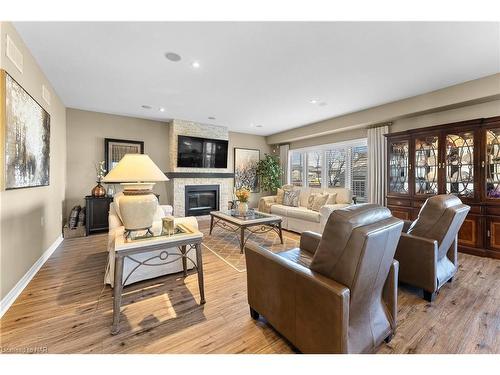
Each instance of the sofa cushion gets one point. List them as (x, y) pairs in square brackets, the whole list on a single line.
[(310, 201), (319, 201), (291, 198), (343, 195), (281, 193), (303, 213), (332, 198), (305, 193), (279, 209)]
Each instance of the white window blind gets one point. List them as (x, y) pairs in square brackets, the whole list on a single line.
[(334, 165)]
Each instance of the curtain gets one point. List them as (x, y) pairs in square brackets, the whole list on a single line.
[(284, 163), (377, 164)]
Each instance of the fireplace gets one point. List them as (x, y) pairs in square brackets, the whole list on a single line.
[(201, 199)]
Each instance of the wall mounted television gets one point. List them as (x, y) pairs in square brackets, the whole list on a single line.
[(194, 152)]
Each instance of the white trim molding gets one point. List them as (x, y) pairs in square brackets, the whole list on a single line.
[(11, 297)]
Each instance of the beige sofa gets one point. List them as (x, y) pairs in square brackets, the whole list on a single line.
[(300, 219)]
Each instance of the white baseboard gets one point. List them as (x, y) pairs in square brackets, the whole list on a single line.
[(9, 299)]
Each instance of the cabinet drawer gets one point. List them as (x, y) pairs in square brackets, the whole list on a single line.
[(492, 210), (398, 202)]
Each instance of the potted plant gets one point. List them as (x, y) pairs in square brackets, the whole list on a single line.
[(269, 172), (242, 194)]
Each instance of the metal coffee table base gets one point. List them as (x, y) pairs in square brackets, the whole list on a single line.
[(251, 229)]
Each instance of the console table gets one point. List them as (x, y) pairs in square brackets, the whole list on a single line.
[(185, 242)]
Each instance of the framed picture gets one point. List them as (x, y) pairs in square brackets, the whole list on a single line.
[(26, 128), (245, 168), (115, 150)]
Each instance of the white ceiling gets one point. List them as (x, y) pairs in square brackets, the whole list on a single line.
[(256, 73)]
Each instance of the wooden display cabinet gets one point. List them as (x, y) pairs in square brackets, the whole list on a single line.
[(461, 158)]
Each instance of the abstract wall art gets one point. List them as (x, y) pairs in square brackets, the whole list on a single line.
[(245, 168), (27, 137)]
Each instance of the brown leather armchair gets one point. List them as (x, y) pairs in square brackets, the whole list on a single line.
[(427, 249), (336, 293)]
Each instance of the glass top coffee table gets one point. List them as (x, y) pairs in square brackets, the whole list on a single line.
[(253, 222)]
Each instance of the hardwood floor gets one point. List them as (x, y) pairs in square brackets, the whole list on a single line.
[(67, 309)]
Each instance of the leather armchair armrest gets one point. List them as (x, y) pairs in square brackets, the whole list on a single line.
[(265, 203), (309, 309), (390, 293), (417, 257), (309, 241), (406, 225)]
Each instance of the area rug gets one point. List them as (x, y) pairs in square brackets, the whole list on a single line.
[(226, 246)]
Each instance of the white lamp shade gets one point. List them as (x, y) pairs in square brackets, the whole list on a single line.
[(135, 168)]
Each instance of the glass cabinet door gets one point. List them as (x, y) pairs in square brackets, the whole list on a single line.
[(426, 164), (492, 163), (398, 166), (459, 164)]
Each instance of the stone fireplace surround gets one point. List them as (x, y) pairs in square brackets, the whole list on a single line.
[(182, 177)]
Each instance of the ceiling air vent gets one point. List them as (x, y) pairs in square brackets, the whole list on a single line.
[(14, 54), (46, 94)]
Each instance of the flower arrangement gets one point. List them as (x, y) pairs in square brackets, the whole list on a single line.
[(243, 194), (100, 171)]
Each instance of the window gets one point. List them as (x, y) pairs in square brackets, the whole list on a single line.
[(314, 168), (328, 166), (335, 167), (359, 173), (296, 169)]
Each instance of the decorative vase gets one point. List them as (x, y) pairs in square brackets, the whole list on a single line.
[(243, 208), (98, 191)]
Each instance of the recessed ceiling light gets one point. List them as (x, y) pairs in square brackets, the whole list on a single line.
[(195, 64), (314, 101), (211, 118), (172, 56), (256, 125), (161, 109), (145, 106)]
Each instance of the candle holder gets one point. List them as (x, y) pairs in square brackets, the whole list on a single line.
[(168, 225)]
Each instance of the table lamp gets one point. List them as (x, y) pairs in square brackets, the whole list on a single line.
[(137, 206)]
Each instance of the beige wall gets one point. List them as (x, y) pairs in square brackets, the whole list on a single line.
[(242, 140), (85, 139), (481, 90), (482, 110), (30, 219), (330, 138), (488, 109)]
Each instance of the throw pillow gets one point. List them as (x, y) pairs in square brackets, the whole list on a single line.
[(332, 198), (281, 192), (81, 218), (310, 201), (291, 198), (319, 201), (73, 217), (279, 196)]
